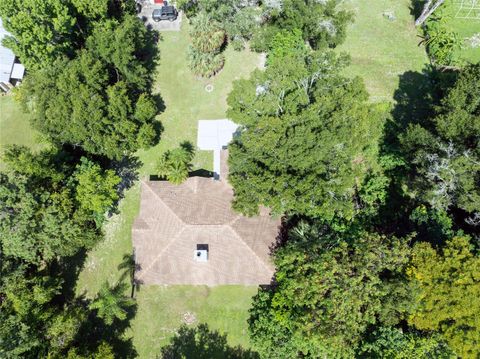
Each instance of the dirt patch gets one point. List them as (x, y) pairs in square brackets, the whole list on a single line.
[(189, 318)]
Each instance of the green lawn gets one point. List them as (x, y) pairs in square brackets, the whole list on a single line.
[(160, 309), (14, 125), (382, 49), (465, 28)]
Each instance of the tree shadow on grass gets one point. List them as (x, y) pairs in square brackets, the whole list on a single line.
[(416, 97), (98, 328), (203, 343)]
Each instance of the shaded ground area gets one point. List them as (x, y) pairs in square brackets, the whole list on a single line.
[(383, 44), (202, 343), (160, 310)]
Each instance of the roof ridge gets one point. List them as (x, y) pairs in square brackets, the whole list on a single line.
[(161, 200), (144, 272), (246, 245)]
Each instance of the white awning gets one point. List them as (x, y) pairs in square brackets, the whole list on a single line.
[(214, 135), (18, 71)]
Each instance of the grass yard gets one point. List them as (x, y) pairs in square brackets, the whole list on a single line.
[(466, 29), (14, 125), (382, 49), (160, 309)]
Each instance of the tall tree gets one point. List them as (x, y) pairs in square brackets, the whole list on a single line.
[(444, 152), (308, 138), (78, 102), (449, 287), (205, 51), (329, 289), (96, 190), (175, 164), (40, 219), (42, 30), (322, 23)]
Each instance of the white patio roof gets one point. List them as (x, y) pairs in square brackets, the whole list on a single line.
[(18, 71), (213, 135)]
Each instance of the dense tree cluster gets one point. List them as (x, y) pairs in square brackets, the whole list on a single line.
[(47, 206), (330, 288), (381, 256), (321, 23), (445, 150), (90, 77), (88, 87)]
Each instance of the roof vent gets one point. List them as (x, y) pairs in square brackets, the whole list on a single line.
[(201, 253)]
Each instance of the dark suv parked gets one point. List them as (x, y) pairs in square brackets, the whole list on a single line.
[(165, 13)]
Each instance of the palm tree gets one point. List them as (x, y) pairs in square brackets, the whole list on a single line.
[(206, 33), (207, 40), (176, 164), (205, 64), (111, 303)]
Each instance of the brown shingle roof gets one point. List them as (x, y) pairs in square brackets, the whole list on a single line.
[(173, 219)]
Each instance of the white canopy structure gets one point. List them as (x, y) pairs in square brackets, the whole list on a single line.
[(214, 135)]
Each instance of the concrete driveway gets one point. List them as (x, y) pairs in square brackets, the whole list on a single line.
[(146, 16)]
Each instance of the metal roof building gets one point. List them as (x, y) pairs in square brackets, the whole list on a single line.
[(8, 68)]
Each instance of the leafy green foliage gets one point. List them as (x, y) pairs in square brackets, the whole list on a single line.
[(207, 39), (449, 284), (308, 141), (393, 343), (125, 46), (111, 303), (90, 65), (77, 102), (322, 24), (42, 30), (329, 289), (239, 20), (286, 44), (441, 41), (40, 220), (176, 164), (444, 151), (96, 190)]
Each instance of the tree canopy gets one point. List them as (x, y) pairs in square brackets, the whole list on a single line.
[(78, 102), (329, 289), (322, 23), (444, 151), (449, 288), (308, 138)]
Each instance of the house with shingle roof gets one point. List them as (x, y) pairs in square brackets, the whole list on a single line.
[(189, 234)]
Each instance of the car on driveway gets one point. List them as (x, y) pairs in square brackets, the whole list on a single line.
[(165, 13)]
